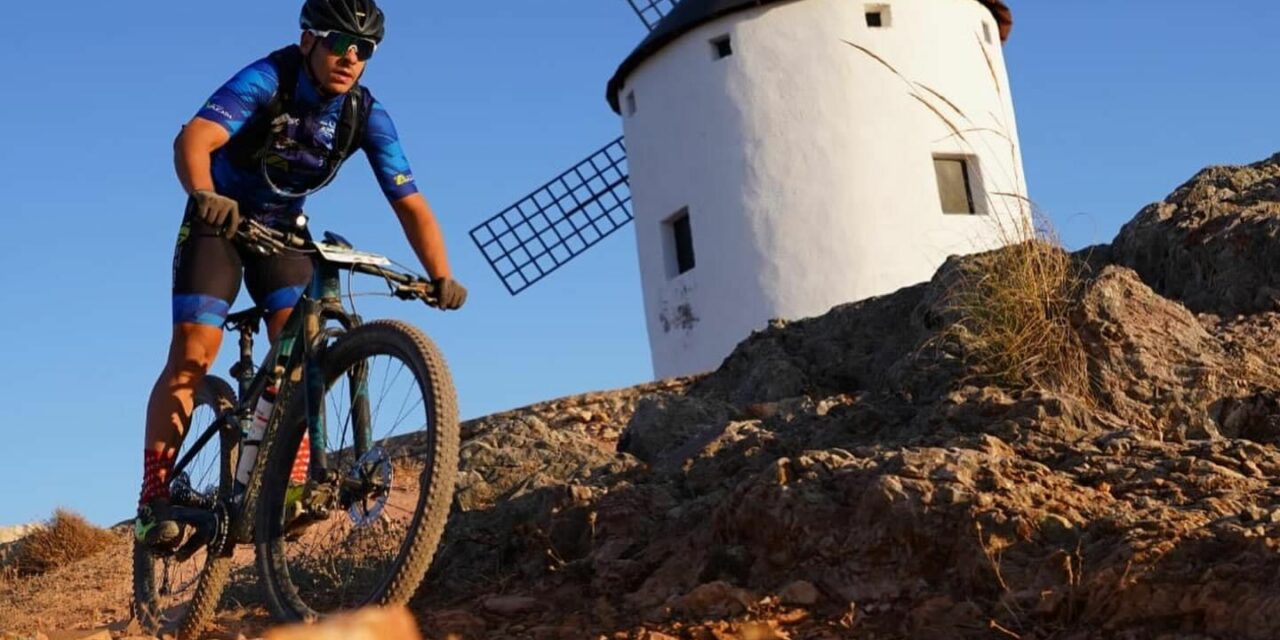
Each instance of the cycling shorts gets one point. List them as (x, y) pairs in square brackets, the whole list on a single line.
[(207, 269)]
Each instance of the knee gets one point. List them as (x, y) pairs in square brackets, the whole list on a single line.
[(192, 351)]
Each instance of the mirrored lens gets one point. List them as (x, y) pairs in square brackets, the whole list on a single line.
[(340, 43)]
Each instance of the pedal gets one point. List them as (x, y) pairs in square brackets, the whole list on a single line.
[(320, 498), (315, 505)]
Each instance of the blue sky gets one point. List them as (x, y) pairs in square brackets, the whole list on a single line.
[(1117, 104)]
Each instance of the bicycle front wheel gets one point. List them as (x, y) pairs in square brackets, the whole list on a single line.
[(183, 594), (391, 422)]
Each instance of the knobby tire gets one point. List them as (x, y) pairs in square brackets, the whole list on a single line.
[(435, 484)]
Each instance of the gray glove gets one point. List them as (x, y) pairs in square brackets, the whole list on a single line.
[(449, 294), (220, 212)]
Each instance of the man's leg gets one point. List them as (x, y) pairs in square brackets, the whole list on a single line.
[(206, 279), (191, 352)]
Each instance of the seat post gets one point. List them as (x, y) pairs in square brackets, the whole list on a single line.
[(246, 324), (243, 371)]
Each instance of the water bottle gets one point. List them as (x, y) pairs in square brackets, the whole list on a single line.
[(249, 446)]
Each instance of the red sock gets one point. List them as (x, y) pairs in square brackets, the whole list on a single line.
[(156, 469), (302, 461)]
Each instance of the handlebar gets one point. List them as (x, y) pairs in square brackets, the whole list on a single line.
[(267, 241)]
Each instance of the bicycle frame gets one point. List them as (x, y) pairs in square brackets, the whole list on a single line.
[(290, 365)]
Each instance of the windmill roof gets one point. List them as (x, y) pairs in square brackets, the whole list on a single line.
[(691, 14)]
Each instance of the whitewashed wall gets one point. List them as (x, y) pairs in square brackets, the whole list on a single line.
[(807, 165)]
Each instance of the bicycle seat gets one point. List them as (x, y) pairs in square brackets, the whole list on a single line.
[(249, 318)]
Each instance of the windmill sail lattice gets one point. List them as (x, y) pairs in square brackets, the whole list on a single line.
[(558, 221), (651, 11)]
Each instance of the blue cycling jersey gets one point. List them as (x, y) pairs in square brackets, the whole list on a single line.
[(252, 89)]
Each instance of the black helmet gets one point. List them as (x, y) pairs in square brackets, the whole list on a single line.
[(357, 17)]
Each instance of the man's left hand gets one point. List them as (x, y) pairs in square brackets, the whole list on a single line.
[(449, 293)]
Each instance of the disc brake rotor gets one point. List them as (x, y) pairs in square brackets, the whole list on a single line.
[(373, 472)]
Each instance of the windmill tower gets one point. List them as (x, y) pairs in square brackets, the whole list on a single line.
[(785, 156)]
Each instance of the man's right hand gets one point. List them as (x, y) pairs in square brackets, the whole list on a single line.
[(219, 212)]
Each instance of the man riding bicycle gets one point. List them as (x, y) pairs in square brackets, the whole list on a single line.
[(275, 133)]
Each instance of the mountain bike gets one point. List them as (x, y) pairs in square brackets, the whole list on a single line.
[(341, 507)]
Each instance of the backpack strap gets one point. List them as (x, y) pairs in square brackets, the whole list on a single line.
[(244, 149), (288, 62), (352, 122)]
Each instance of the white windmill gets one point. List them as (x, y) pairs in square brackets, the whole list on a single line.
[(785, 156)]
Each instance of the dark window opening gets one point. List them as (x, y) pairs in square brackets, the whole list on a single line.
[(878, 16), (954, 185), (631, 103), (680, 244), (986, 32), (722, 47)]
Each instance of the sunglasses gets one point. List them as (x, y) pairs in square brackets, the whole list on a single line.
[(342, 43)]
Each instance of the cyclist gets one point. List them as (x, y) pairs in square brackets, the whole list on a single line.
[(273, 134)]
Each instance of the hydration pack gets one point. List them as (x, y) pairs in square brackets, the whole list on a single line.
[(263, 144)]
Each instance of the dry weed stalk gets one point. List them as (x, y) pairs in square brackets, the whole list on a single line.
[(995, 626), (993, 553)]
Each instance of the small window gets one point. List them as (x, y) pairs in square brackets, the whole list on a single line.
[(955, 186), (631, 103), (986, 31), (877, 16), (679, 243), (722, 47)]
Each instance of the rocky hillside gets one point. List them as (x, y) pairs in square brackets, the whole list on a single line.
[(853, 476), (857, 475)]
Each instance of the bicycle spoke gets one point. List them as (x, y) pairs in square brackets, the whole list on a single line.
[(346, 422), (381, 393), (406, 416)]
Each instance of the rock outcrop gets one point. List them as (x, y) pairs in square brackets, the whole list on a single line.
[(1212, 244)]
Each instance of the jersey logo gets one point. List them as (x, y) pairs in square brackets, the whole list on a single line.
[(402, 179), (183, 232), (218, 109)]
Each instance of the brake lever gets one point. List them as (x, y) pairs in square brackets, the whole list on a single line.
[(422, 290), (259, 239)]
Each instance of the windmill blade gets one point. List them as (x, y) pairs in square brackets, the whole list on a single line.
[(652, 11), (559, 221)]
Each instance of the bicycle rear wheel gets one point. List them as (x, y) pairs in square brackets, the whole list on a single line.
[(391, 419), (183, 594)]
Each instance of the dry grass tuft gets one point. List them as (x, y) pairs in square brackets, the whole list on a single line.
[(68, 538), (1013, 306)]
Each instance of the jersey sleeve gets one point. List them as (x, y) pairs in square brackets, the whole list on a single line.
[(247, 91), (382, 146)]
